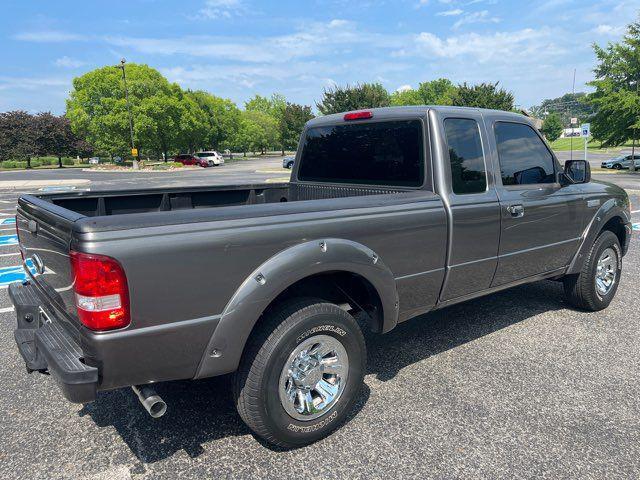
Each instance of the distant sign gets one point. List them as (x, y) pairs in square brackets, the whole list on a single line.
[(585, 130), (134, 152), (574, 121)]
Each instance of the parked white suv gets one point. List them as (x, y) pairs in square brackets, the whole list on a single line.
[(213, 157)]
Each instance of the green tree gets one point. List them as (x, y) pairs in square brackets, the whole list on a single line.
[(440, 91), (617, 96), (401, 98), (268, 126), (54, 136), (552, 127), (97, 108), (569, 105), (483, 95), (222, 116), (344, 99), (157, 123), (292, 123), (18, 136), (248, 136)]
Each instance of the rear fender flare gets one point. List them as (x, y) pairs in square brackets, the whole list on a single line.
[(279, 272)]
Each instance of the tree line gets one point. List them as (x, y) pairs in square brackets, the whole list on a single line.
[(24, 135)]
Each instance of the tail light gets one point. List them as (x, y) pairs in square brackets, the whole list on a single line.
[(362, 115), (101, 291)]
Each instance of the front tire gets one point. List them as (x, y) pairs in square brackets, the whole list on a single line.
[(595, 286), (617, 166), (301, 372)]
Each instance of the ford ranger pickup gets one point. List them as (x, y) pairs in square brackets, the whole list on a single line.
[(390, 213)]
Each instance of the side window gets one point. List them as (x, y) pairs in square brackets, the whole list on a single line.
[(524, 158), (468, 173)]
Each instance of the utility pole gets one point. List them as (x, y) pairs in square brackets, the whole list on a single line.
[(573, 91), (632, 167), (134, 150)]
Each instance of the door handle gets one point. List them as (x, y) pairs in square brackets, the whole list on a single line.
[(516, 210)]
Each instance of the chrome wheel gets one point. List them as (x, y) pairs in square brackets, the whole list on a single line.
[(313, 377), (606, 271)]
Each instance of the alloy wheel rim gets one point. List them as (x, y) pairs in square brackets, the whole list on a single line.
[(313, 377), (606, 271)]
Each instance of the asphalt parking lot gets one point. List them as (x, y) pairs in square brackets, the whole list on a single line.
[(511, 385)]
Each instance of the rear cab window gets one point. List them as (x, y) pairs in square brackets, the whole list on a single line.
[(468, 171), (386, 153), (523, 156)]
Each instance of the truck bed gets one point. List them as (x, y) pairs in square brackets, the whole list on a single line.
[(119, 202)]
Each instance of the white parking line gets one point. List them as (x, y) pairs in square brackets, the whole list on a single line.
[(6, 310), (9, 254), (635, 211)]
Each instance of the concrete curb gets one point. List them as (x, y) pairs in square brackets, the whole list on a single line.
[(43, 183), (177, 170)]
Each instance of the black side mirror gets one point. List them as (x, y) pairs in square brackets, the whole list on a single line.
[(577, 171)]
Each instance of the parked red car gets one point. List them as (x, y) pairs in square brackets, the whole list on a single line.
[(188, 159)]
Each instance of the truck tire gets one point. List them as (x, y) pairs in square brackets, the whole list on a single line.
[(301, 372), (596, 284)]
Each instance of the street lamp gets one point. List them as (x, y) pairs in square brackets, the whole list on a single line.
[(134, 150)]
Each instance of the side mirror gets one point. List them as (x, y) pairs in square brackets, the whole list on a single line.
[(577, 171)]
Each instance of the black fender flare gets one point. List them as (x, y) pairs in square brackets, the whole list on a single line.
[(275, 275), (613, 207)]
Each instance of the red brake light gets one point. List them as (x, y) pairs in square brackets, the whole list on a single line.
[(358, 115), (101, 291)]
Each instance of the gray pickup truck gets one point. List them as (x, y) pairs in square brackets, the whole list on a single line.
[(390, 213)]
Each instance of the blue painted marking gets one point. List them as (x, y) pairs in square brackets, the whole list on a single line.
[(8, 240), (636, 227), (15, 274), (8, 221)]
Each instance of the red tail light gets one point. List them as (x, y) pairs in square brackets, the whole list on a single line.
[(358, 115), (101, 291)]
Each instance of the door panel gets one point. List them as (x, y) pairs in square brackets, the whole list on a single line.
[(541, 222), (544, 237)]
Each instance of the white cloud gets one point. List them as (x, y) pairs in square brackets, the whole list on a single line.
[(215, 9), (67, 62), (450, 13), (610, 30), (476, 17), (313, 39), (32, 83), (49, 36), (404, 88), (500, 46)]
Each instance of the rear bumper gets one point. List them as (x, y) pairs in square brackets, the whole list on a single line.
[(47, 346)]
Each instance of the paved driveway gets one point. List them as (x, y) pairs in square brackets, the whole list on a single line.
[(512, 385)]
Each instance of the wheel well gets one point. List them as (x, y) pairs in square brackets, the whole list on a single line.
[(616, 226), (350, 291)]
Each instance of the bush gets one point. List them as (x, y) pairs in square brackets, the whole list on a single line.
[(67, 161)]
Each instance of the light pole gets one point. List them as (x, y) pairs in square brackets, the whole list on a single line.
[(134, 150)]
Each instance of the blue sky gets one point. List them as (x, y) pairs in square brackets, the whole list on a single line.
[(237, 48)]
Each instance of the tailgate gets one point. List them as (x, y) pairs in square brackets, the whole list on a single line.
[(44, 233)]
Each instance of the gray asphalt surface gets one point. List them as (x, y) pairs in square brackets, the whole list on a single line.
[(511, 385)]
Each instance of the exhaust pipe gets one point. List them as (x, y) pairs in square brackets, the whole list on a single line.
[(150, 400)]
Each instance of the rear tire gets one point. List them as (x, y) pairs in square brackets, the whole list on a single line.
[(288, 346), (595, 286)]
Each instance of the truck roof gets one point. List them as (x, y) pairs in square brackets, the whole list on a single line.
[(396, 112)]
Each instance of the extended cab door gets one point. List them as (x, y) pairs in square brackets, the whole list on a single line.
[(467, 187), (541, 221)]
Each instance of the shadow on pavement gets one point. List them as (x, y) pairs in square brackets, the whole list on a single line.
[(202, 411)]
